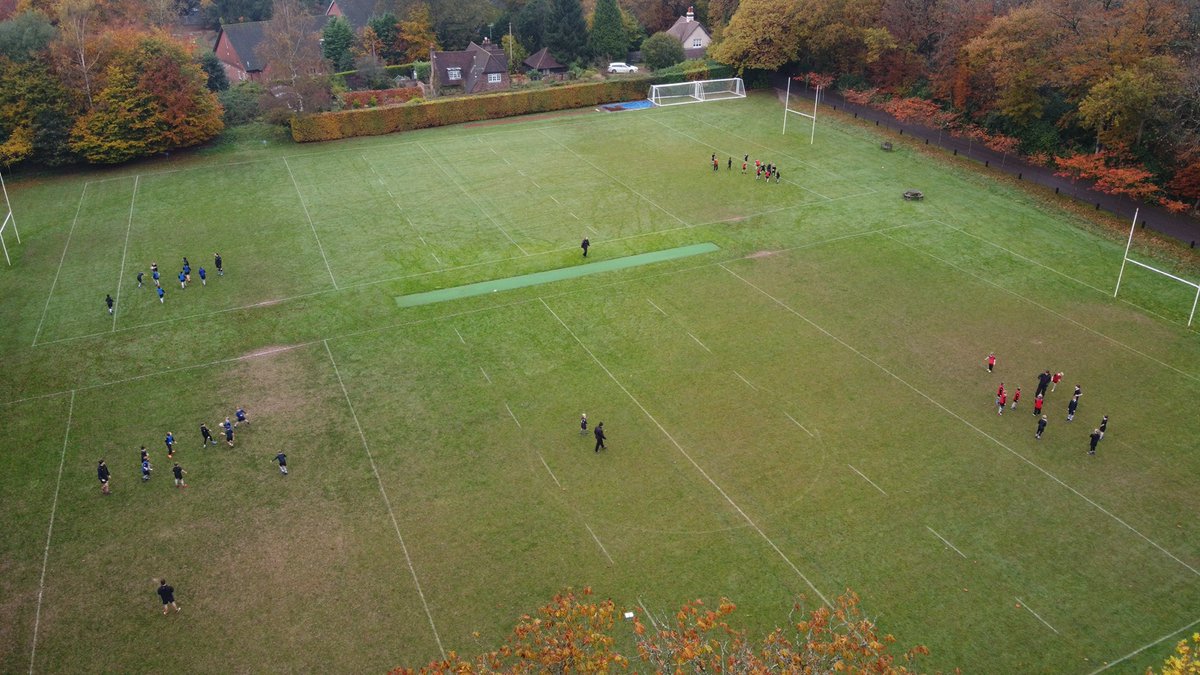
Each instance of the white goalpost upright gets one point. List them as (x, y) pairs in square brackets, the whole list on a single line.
[(788, 109), (698, 91), (9, 219), (1143, 265)]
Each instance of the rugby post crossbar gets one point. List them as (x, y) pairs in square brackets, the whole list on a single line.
[(1127, 259), (9, 219), (788, 109)]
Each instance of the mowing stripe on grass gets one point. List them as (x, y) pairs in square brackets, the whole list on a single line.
[(548, 276), (37, 615)]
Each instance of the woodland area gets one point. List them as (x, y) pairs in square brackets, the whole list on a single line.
[(1106, 90)]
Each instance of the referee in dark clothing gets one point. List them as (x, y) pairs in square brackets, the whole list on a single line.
[(1043, 382), (599, 433)]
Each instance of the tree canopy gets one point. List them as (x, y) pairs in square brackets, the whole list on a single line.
[(608, 40), (566, 30), (662, 50)]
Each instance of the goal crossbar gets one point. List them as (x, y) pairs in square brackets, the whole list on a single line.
[(697, 91), (1127, 259), (787, 101)]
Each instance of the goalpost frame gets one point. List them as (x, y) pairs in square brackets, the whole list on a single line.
[(787, 109), (696, 91), (8, 218), (1127, 259)]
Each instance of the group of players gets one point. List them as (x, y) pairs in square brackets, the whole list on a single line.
[(1046, 380)]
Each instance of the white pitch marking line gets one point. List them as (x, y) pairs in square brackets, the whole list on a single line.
[(613, 178), (683, 452), (598, 543), (506, 161), (660, 310), (556, 200), (489, 147), (748, 384), (965, 421), (649, 616), (549, 471), (577, 218), (485, 375), (460, 337), (435, 257), (396, 201), (310, 222), (386, 501), (471, 197), (124, 253), (37, 615), (1039, 618), (61, 260), (945, 541), (1144, 648), (793, 419), (698, 342), (510, 414), (535, 184), (864, 477)]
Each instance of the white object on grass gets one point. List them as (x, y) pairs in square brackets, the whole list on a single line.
[(697, 92)]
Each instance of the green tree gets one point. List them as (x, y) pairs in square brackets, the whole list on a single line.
[(516, 53), (214, 71), (762, 34), (155, 98), (531, 24), (36, 114), (23, 36), (337, 43), (386, 27), (566, 30), (241, 103), (662, 51), (217, 12), (608, 40), (416, 36), (634, 33)]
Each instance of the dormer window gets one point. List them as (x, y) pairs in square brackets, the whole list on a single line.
[(454, 74)]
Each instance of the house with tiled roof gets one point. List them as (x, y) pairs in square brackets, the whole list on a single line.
[(237, 49), (478, 68), (691, 35), (357, 12), (544, 63)]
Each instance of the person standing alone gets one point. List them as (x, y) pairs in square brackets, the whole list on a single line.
[(599, 433), (584, 245), (1095, 439), (167, 594)]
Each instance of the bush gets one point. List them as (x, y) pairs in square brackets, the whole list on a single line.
[(241, 103), (696, 69), (662, 51), (357, 99)]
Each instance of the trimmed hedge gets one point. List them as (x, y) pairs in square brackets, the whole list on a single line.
[(374, 97), (441, 112)]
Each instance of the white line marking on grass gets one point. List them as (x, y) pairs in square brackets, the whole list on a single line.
[(510, 414), (396, 201), (37, 615), (653, 623), (124, 253), (485, 375), (386, 501), (745, 380), (958, 417), (556, 200), (698, 341), (436, 258), (577, 218), (460, 337), (660, 310), (864, 477), (683, 452), (471, 197), (1143, 648), (506, 161), (612, 177), (62, 259), (1039, 618), (606, 555), (535, 184), (945, 541), (1038, 304), (793, 419), (549, 471), (310, 223)]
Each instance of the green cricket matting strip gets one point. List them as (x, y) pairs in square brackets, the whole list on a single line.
[(548, 276)]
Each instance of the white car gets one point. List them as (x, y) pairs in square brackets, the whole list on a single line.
[(620, 67)]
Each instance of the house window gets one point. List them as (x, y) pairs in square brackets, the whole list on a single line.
[(696, 42), (454, 74), (493, 78)]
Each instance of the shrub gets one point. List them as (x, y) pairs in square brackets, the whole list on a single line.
[(662, 51), (241, 103), (357, 99)]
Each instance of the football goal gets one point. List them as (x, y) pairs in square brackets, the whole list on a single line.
[(9, 221), (697, 91), (1127, 259)]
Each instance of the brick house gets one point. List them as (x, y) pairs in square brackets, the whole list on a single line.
[(476, 69), (544, 63), (237, 49), (691, 35)]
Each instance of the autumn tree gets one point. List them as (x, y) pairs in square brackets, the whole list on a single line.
[(155, 98), (415, 37), (1119, 107), (337, 43), (761, 34), (1186, 183), (292, 54), (386, 29), (662, 50), (80, 49), (566, 31), (607, 40), (25, 36), (1185, 660), (516, 53), (1112, 172), (36, 114)]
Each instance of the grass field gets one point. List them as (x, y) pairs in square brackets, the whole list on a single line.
[(804, 410)]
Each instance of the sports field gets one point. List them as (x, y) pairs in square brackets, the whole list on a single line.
[(803, 410)]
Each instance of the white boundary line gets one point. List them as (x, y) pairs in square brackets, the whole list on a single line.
[(1143, 648), (460, 337), (549, 471), (61, 260), (386, 501), (310, 223), (37, 616), (124, 253), (958, 417), (660, 310), (396, 202), (793, 419), (510, 414), (471, 197), (1039, 618), (597, 539), (683, 452), (743, 379), (698, 341), (485, 375), (864, 477), (945, 541)]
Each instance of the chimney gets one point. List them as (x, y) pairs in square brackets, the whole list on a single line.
[(690, 14)]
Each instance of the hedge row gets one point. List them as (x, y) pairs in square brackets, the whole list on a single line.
[(374, 97), (441, 112)]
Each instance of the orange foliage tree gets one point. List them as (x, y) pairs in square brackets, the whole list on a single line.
[(1112, 174)]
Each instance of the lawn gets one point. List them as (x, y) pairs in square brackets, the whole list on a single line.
[(802, 411)]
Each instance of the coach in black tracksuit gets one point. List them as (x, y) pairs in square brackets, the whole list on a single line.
[(599, 433), (1043, 382)]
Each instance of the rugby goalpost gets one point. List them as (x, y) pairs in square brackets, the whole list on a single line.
[(697, 91), (1143, 265), (787, 108), (9, 219)]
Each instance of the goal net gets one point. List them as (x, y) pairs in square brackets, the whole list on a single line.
[(697, 91), (9, 221)]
